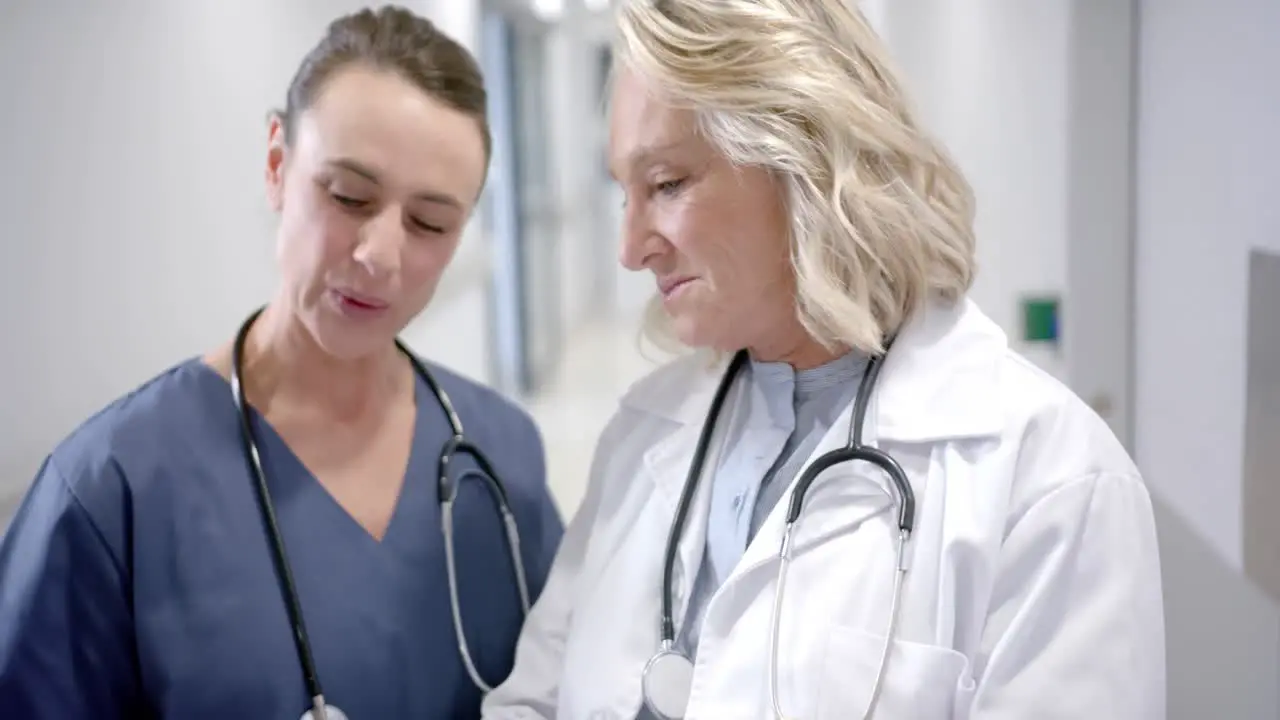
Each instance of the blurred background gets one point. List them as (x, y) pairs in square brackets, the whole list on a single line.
[(1125, 153)]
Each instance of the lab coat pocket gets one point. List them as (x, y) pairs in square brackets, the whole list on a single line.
[(921, 682)]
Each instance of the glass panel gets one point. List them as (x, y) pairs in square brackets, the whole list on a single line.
[(500, 208), (536, 193), (521, 205)]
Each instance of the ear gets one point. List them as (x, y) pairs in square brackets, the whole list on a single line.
[(277, 151)]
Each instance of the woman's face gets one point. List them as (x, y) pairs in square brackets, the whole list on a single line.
[(373, 193), (715, 236)]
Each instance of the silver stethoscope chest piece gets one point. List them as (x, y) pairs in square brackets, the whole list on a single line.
[(330, 713), (667, 683)]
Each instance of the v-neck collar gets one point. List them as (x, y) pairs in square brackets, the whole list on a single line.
[(289, 479), (291, 466)]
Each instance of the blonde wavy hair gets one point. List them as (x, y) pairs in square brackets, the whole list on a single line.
[(881, 217)]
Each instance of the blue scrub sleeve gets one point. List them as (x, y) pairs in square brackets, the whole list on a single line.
[(66, 630)]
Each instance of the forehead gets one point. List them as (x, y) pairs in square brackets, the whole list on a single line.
[(382, 121), (643, 124)]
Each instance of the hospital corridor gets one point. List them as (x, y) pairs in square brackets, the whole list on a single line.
[(662, 249)]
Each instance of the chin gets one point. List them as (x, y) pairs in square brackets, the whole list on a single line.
[(700, 333), (344, 340)]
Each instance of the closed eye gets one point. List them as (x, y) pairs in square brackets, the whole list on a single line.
[(427, 227), (358, 204), (349, 201)]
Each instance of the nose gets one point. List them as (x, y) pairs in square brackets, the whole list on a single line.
[(381, 240), (640, 242)]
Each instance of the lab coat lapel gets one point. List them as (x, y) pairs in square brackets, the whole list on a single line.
[(668, 464), (936, 385)]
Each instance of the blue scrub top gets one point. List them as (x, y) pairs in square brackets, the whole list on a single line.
[(136, 579)]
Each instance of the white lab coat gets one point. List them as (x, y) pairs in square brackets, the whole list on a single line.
[(1034, 591)]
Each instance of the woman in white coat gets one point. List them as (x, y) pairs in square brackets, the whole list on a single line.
[(795, 217)]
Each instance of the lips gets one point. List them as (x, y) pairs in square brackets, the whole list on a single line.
[(670, 285), (363, 301)]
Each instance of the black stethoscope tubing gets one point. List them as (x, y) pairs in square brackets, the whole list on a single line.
[(288, 586), (854, 450), (447, 492)]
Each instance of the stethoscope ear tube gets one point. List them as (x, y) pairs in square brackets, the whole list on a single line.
[(667, 629), (448, 491), (279, 557)]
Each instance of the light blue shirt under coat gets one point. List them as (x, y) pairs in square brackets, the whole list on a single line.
[(785, 415)]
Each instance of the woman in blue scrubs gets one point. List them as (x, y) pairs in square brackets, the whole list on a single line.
[(139, 578)]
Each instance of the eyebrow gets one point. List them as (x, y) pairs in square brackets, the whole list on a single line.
[(648, 154), (367, 173)]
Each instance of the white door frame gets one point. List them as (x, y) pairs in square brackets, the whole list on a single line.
[(1099, 311)]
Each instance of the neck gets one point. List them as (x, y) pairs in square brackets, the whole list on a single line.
[(797, 349), (285, 368)]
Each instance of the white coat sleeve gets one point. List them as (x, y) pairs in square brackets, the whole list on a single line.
[(531, 691), (1076, 628)]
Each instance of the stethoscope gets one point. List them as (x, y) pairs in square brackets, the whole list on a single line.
[(667, 679), (448, 492)]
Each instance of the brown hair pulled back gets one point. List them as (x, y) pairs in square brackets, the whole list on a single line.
[(394, 39)]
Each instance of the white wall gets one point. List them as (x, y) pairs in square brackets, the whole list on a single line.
[(136, 230), (1208, 166), (990, 80), (1209, 170), (575, 120), (1097, 347)]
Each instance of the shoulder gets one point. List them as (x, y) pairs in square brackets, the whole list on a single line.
[(953, 376), (483, 411), (504, 431), (1054, 428), (106, 461), (169, 406), (678, 390), (674, 395), (1053, 441)]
